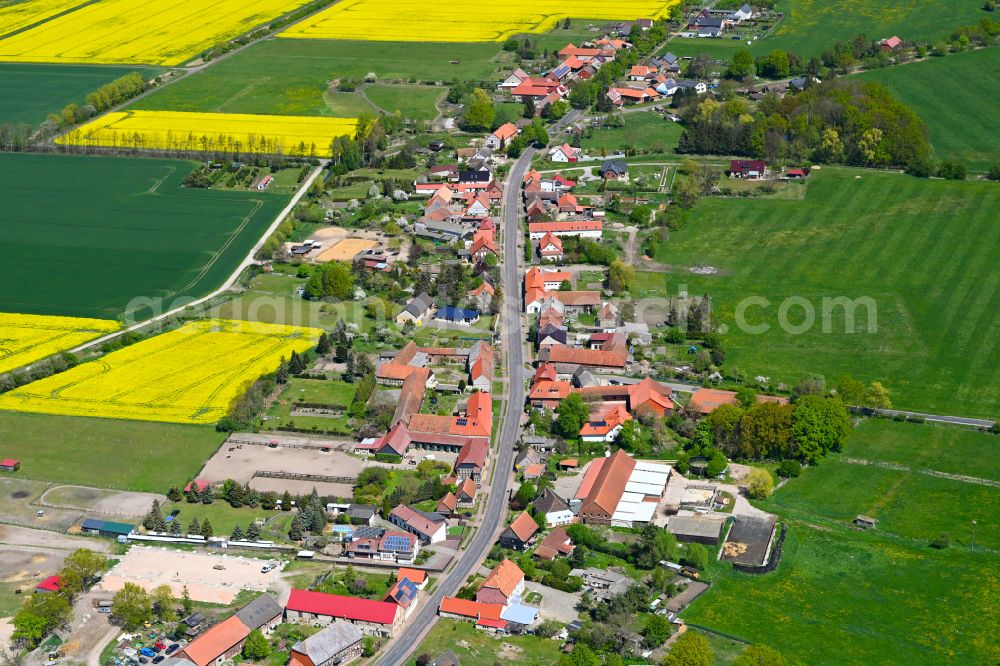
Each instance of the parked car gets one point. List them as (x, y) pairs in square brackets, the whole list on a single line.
[(173, 648), (159, 645), (147, 652), (158, 659)]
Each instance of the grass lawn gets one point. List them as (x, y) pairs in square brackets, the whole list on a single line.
[(129, 455), (416, 102), (724, 650), (122, 238), (844, 596), (290, 76), (812, 26), (957, 114), (327, 392), (645, 131), (477, 648), (32, 92), (224, 518), (919, 249)]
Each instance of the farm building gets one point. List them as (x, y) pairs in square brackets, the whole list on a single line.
[(50, 584), (106, 528), (696, 529), (9, 465), (375, 618), (339, 643), (621, 491)]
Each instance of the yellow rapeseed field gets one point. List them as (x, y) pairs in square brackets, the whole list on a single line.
[(22, 14), (182, 130), (157, 32), (25, 339), (460, 20), (188, 375)]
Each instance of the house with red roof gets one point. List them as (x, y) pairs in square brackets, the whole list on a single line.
[(645, 395), (447, 505), (548, 393), (486, 616), (416, 576), (514, 79), (891, 43), (9, 465), (201, 484), (555, 544), (503, 585), (471, 460), (502, 136), (748, 169), (580, 228), (223, 641), (374, 618), (564, 153), (605, 423), (520, 533), (467, 493), (550, 247), (385, 546), (613, 354)]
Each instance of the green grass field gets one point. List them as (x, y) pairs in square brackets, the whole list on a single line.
[(923, 251), (812, 26), (956, 96), (292, 77), (647, 131), (841, 595), (83, 236), (415, 102), (107, 453), (32, 92), (478, 648)]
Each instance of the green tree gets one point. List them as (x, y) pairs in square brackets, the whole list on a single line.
[(525, 495), (850, 390), (819, 425), (206, 529), (759, 483), (162, 599), (656, 632), (333, 280), (253, 532), (741, 65), (186, 600), (621, 276), (691, 649), (766, 430), (572, 413), (296, 529), (877, 396), (760, 655), (479, 112), (80, 570), (237, 534), (40, 614), (131, 606), (256, 647), (194, 527)]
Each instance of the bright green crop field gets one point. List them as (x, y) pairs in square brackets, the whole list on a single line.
[(32, 92), (291, 77), (812, 26), (107, 453), (921, 253), (844, 596), (83, 236), (957, 97)]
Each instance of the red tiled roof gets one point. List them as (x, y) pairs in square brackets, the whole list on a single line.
[(505, 131), (449, 502), (467, 608), (610, 483), (473, 453), (9, 462), (523, 527), (545, 371), (493, 624), (335, 605), (556, 543), (506, 576), (216, 641), (605, 420), (706, 400), (416, 520), (565, 226), (415, 576), (547, 389)]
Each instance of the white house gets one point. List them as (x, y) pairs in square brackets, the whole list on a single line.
[(516, 78), (564, 153), (554, 508), (742, 14), (501, 136)]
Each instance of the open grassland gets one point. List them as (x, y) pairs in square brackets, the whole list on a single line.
[(108, 453), (295, 77), (110, 230), (647, 131), (32, 92), (414, 102), (957, 97), (474, 647), (457, 21), (923, 251), (953, 450), (178, 130), (188, 375), (840, 596), (25, 339), (16, 16), (812, 26), (167, 32)]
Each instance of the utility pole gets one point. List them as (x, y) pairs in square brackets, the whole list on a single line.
[(973, 535)]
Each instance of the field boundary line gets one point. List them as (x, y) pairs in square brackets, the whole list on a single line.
[(898, 467), (248, 261)]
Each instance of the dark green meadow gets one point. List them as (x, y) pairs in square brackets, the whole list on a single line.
[(292, 77), (812, 26), (923, 251), (957, 97), (83, 236), (844, 596), (29, 93)]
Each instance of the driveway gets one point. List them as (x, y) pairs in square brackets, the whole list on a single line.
[(555, 604)]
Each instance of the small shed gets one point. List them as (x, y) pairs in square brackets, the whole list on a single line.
[(106, 528), (865, 522), (9, 465)]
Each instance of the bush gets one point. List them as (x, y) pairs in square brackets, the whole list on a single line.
[(696, 556), (759, 483), (789, 469), (941, 541)]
